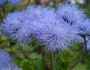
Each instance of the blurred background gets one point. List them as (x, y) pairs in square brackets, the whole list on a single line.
[(38, 58)]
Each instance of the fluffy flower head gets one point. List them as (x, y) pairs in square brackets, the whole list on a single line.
[(4, 57), (19, 28), (11, 2), (14, 3), (52, 33), (6, 62), (84, 27), (70, 13)]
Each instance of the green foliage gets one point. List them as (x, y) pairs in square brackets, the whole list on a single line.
[(31, 63)]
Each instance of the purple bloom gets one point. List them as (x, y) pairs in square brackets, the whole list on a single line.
[(16, 25), (4, 57), (14, 3), (11, 2), (70, 13), (40, 17), (6, 62), (84, 27), (41, 23), (56, 35), (10, 66), (75, 17), (39, 12), (2, 2)]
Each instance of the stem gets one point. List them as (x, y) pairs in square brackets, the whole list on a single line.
[(3, 10), (85, 42), (51, 61), (24, 53), (74, 65), (27, 3), (86, 51)]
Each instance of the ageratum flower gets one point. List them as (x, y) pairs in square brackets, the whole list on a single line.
[(39, 12), (39, 16), (11, 2), (2, 2), (56, 35), (31, 10), (84, 27), (4, 57), (40, 23), (6, 62), (9, 66), (14, 3), (17, 26), (70, 13)]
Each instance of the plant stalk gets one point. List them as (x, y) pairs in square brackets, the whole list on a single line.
[(24, 53), (85, 42), (86, 51), (51, 61), (74, 65)]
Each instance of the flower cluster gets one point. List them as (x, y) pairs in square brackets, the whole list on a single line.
[(11, 2), (76, 18), (6, 62), (71, 14), (56, 29), (19, 29)]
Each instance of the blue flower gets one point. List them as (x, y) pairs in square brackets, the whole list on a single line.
[(70, 13), (4, 57), (39, 12), (39, 23), (17, 25), (84, 27), (74, 17), (40, 17), (14, 3), (11, 2), (56, 35), (42, 24), (6, 62), (10, 66), (2, 2)]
